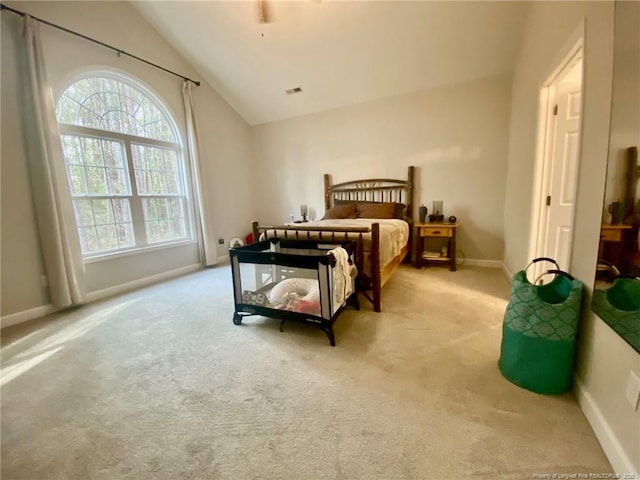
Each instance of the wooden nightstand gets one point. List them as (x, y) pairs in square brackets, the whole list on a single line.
[(612, 243), (436, 230)]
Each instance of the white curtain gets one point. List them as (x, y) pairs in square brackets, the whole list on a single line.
[(54, 209), (208, 249)]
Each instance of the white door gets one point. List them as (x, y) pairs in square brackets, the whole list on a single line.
[(557, 156), (565, 153)]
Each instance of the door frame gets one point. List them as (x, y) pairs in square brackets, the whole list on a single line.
[(573, 52)]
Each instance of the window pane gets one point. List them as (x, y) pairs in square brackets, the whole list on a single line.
[(125, 235), (92, 151), (88, 239), (170, 161), (107, 238), (97, 182), (139, 159), (157, 180), (102, 211), (178, 228), (164, 229), (117, 181), (164, 219), (71, 149), (156, 170), (121, 210), (77, 181), (176, 208), (151, 229), (86, 157), (149, 208), (114, 105), (67, 109), (142, 181), (155, 158), (127, 123), (113, 226), (161, 205), (113, 154), (172, 183), (84, 212)]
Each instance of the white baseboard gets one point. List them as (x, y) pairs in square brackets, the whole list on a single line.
[(141, 282), (32, 313), (26, 315), (507, 273), (616, 455), (474, 262), (223, 259)]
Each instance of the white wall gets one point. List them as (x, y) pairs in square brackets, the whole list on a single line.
[(455, 135), (224, 141), (604, 358)]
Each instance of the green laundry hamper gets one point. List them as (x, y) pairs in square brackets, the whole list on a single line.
[(619, 306), (539, 331)]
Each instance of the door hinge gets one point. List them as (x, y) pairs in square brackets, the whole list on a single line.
[(555, 109), (548, 200)]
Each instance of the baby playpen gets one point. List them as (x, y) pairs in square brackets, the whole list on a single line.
[(294, 280)]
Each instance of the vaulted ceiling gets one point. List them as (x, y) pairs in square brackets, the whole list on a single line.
[(338, 52)]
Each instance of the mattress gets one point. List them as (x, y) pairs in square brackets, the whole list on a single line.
[(394, 235)]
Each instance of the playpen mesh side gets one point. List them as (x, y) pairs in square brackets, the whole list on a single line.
[(296, 289)]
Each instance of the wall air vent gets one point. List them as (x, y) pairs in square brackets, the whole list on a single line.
[(293, 91)]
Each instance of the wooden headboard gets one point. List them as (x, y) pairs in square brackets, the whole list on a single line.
[(372, 190)]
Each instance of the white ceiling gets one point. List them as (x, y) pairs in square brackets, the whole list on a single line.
[(339, 52)]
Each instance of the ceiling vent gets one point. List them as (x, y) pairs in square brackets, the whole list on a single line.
[(294, 91)]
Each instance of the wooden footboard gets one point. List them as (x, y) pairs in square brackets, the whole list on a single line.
[(378, 276)]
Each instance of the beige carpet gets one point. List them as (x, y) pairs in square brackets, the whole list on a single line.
[(159, 384)]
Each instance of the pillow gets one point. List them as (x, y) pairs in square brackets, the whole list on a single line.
[(399, 209), (341, 211), (377, 210)]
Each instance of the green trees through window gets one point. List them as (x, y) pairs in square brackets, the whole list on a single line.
[(113, 105), (124, 167)]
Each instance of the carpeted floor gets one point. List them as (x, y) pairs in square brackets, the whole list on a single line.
[(159, 384)]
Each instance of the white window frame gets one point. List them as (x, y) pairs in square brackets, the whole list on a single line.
[(135, 199)]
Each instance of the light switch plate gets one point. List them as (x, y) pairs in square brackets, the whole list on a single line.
[(632, 392)]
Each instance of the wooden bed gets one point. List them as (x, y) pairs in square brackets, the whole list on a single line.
[(368, 239)]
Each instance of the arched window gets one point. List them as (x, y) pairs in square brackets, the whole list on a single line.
[(124, 166)]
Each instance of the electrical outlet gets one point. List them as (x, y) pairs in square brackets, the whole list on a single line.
[(632, 392), (221, 241)]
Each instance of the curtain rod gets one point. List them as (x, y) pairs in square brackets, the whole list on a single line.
[(106, 45)]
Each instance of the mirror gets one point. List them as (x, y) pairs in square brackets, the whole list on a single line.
[(616, 298)]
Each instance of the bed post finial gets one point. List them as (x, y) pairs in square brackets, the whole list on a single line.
[(255, 231), (327, 191)]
